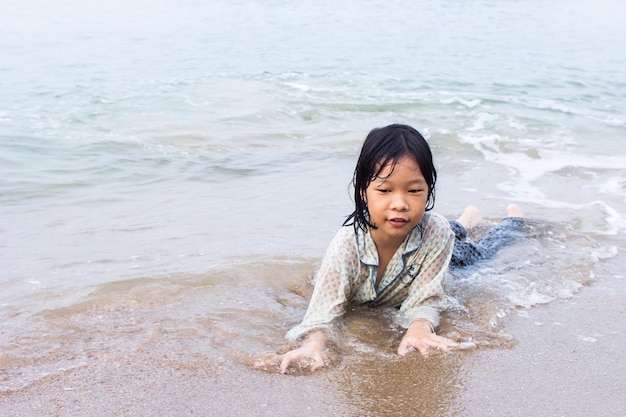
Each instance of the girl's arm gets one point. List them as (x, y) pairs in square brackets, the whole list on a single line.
[(327, 303), (333, 285), (426, 297)]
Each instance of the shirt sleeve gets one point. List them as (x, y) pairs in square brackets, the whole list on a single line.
[(426, 296), (334, 282)]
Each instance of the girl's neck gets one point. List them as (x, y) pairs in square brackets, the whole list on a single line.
[(386, 248), (385, 243)]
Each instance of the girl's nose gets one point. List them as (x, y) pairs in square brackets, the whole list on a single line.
[(399, 203)]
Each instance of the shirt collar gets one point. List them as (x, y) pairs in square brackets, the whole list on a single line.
[(367, 248)]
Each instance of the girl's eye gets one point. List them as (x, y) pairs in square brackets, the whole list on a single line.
[(383, 190), (416, 191)]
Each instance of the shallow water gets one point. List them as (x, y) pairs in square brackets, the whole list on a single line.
[(172, 175)]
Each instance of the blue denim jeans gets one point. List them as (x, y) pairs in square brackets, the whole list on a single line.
[(468, 253)]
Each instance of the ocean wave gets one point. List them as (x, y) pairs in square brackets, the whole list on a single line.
[(248, 306)]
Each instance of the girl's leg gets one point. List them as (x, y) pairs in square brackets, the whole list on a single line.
[(504, 233), (470, 217), (513, 210), (465, 253)]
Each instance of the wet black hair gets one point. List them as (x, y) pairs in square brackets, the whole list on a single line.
[(382, 147)]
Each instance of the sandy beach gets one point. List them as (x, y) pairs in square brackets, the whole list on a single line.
[(173, 172), (568, 362)]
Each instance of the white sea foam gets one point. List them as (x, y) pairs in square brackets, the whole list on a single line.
[(615, 185), (301, 87), (547, 160), (603, 252), (469, 103), (615, 121), (481, 122), (529, 171)]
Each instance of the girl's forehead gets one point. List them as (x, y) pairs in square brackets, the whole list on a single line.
[(391, 164), (390, 167)]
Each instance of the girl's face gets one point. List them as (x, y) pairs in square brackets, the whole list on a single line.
[(396, 200)]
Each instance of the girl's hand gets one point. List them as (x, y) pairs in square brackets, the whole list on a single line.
[(312, 351), (420, 337)]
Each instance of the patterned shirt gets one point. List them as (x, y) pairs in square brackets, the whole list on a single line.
[(413, 279)]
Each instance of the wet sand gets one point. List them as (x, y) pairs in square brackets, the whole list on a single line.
[(569, 361)]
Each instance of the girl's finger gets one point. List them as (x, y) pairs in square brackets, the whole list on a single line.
[(284, 364), (319, 362)]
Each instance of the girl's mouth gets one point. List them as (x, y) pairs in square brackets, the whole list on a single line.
[(397, 222)]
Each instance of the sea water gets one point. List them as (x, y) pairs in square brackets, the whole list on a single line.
[(171, 173)]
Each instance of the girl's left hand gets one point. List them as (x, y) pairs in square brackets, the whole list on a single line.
[(420, 337)]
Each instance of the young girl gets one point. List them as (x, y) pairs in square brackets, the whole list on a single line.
[(392, 251)]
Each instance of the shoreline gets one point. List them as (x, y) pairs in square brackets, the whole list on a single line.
[(567, 362)]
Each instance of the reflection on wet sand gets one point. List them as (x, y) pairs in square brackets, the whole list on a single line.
[(402, 386), (201, 334)]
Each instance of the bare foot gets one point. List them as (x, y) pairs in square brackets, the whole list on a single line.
[(513, 210), (470, 217)]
